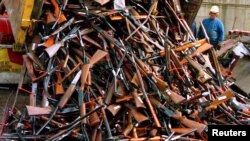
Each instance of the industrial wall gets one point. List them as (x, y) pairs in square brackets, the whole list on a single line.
[(234, 13)]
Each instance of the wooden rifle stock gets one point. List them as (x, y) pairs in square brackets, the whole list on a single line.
[(93, 133), (140, 118), (114, 109), (189, 45), (83, 112), (57, 12), (98, 135), (98, 55), (156, 120), (162, 85), (126, 98), (220, 99), (180, 130), (182, 71), (70, 72), (52, 50), (135, 80), (29, 67), (164, 109), (58, 86), (69, 91), (110, 93), (176, 98), (50, 17), (201, 49), (203, 77), (189, 123), (137, 99), (35, 59), (128, 129), (94, 119), (37, 111)]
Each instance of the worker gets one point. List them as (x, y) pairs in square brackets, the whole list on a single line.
[(214, 28)]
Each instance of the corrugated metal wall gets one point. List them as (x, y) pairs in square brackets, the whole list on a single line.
[(231, 11)]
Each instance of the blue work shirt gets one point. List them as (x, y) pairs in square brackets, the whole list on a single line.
[(215, 30)]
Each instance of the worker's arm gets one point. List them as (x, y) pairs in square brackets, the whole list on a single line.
[(220, 31)]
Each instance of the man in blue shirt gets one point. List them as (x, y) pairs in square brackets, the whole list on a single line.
[(214, 28)]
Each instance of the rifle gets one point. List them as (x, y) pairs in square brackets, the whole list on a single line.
[(59, 15), (144, 91), (94, 119), (189, 123), (114, 109), (190, 100), (162, 108), (217, 68), (126, 98), (52, 50), (162, 85), (203, 77), (70, 73), (140, 118), (219, 100), (68, 23), (182, 71), (36, 111), (105, 119), (201, 49), (63, 100), (98, 55), (137, 99)]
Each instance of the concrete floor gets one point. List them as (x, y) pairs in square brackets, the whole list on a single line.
[(242, 74), (22, 100)]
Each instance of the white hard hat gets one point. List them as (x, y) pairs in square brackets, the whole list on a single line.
[(214, 9)]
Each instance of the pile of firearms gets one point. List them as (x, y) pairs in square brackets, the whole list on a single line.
[(120, 70)]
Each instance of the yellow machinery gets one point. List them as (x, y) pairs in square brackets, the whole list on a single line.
[(21, 13)]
